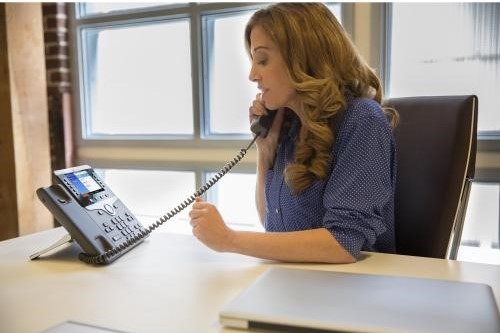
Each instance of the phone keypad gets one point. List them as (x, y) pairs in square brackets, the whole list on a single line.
[(124, 226)]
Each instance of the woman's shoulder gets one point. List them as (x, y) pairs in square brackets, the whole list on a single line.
[(364, 107), (364, 111), (363, 114)]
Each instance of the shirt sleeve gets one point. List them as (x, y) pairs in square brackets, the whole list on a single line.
[(360, 187)]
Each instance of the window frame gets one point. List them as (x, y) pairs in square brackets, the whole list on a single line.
[(84, 111)]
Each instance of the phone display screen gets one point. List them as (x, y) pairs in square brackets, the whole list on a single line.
[(83, 182)]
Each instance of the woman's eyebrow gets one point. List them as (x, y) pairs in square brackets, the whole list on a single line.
[(259, 48)]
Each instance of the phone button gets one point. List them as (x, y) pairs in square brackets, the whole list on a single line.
[(109, 209)]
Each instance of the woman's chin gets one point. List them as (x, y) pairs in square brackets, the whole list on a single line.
[(271, 106)]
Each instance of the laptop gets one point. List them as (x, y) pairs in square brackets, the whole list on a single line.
[(296, 300)]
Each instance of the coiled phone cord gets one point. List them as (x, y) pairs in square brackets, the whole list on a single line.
[(101, 258)]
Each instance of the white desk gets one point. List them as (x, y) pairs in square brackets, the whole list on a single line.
[(170, 283)]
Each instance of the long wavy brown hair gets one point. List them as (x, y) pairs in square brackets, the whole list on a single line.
[(323, 64)]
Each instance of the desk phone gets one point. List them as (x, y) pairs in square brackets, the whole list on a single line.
[(91, 213), (98, 220)]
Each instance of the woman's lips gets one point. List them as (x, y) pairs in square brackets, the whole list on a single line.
[(263, 93)]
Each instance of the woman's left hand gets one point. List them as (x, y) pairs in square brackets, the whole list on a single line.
[(209, 227)]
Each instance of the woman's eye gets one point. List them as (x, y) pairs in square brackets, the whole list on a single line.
[(262, 62)]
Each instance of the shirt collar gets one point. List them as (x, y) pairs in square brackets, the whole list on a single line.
[(293, 132)]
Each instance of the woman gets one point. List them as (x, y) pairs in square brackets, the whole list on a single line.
[(326, 170)]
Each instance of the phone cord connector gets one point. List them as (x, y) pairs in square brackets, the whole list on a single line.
[(101, 258)]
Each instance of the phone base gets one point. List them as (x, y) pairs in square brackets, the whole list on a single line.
[(65, 239)]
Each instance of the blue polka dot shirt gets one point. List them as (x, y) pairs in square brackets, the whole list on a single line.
[(356, 202)]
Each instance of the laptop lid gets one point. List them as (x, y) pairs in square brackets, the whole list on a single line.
[(310, 300)]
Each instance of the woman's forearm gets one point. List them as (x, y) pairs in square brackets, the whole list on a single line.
[(315, 245), (263, 165), (260, 196)]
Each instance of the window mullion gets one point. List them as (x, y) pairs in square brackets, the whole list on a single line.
[(196, 70)]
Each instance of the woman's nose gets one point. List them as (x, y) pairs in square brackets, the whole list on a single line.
[(252, 76)]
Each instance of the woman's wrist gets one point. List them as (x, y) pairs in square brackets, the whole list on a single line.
[(265, 160), (232, 241)]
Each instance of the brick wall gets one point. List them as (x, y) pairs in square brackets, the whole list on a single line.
[(55, 25)]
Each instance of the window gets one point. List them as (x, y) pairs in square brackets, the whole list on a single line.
[(234, 196), (162, 92), (136, 85), (481, 234), (227, 62), (453, 49), (456, 51)]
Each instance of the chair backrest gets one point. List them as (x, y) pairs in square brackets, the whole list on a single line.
[(436, 153)]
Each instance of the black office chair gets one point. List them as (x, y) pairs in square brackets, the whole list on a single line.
[(436, 149)]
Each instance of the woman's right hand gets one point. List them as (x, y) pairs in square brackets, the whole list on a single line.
[(266, 146)]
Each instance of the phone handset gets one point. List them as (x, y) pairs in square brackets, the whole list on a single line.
[(260, 126)]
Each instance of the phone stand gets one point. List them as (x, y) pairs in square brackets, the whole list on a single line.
[(65, 239)]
